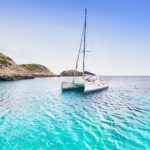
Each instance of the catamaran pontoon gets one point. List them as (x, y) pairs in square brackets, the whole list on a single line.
[(89, 81)]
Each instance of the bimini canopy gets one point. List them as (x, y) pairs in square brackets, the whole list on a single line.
[(89, 73)]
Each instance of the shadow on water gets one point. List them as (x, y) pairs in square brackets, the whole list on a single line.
[(76, 91)]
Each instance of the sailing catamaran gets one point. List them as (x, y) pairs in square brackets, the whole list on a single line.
[(89, 81)]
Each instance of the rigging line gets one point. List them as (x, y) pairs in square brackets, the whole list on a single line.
[(79, 52)]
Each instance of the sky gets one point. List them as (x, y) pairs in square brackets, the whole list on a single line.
[(48, 32)]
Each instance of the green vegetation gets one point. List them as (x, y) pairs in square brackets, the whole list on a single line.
[(33, 66), (5, 59)]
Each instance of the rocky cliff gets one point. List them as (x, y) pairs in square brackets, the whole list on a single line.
[(38, 70), (9, 70), (70, 73)]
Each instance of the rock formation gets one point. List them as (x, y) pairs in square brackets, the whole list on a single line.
[(70, 73), (38, 70), (9, 70)]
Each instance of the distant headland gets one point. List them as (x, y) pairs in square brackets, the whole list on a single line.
[(71, 73), (9, 70)]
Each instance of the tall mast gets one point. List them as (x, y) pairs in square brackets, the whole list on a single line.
[(84, 43)]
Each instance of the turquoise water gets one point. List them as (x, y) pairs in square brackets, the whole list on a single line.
[(35, 114)]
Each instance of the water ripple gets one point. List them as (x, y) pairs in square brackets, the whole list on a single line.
[(35, 114)]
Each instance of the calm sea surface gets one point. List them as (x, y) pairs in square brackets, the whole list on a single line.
[(35, 114)]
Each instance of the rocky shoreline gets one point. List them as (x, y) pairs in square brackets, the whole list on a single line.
[(8, 73), (38, 70), (9, 70)]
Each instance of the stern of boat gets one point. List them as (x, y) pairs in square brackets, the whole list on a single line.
[(70, 85)]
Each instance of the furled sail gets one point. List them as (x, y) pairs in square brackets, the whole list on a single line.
[(89, 73)]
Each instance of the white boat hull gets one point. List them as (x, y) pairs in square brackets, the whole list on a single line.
[(88, 86), (91, 87)]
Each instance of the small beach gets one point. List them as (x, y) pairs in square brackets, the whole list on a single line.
[(36, 114)]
